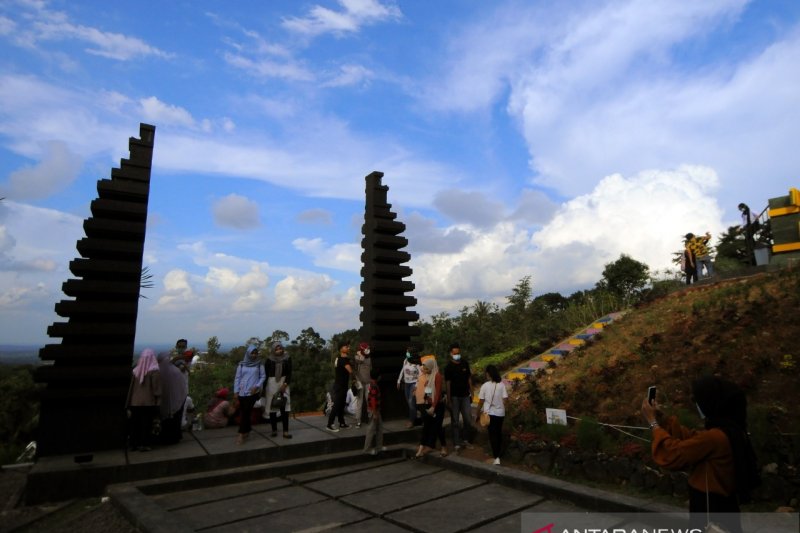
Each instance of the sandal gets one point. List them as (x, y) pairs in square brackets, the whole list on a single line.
[(286, 435), (444, 452)]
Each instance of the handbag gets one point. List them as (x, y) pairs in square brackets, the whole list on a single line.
[(278, 401), (484, 419)]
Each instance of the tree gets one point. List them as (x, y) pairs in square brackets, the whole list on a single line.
[(520, 294), (624, 278), (213, 346), (277, 336)]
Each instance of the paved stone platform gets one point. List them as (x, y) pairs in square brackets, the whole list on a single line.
[(61, 477), (360, 492)]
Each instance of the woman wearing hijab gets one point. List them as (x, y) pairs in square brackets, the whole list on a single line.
[(407, 382), (430, 403), (174, 391), (250, 377), (720, 459), (491, 400), (219, 410), (278, 368), (144, 395)]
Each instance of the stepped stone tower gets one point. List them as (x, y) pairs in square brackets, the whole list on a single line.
[(83, 403), (385, 316)]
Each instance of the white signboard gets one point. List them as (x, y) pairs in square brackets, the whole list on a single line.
[(556, 416)]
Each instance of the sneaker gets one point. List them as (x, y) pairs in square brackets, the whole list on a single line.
[(373, 451), (384, 449), (331, 428), (457, 448), (358, 425), (497, 460), (344, 426)]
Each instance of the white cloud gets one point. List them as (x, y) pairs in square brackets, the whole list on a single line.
[(603, 88), (58, 168), (39, 24), (534, 207), (269, 68), (644, 216), (350, 75), (157, 112), (344, 256), (315, 216), (425, 237), (470, 207), (355, 14), (235, 211), (301, 292)]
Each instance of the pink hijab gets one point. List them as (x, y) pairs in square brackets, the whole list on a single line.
[(146, 363)]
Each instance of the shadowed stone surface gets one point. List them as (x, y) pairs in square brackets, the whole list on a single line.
[(409, 493), (195, 497), (231, 511), (368, 479), (464, 510), (316, 517)]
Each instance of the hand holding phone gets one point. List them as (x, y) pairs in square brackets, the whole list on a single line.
[(651, 394)]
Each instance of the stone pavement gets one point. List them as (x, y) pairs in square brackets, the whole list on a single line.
[(390, 493), (61, 477)]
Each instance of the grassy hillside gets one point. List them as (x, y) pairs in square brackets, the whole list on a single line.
[(746, 330)]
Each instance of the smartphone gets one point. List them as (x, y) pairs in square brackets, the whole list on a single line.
[(651, 394)]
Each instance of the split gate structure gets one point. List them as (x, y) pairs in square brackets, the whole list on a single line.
[(83, 403), (385, 301)]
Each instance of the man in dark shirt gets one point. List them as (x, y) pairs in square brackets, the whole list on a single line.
[(458, 381), (343, 369)]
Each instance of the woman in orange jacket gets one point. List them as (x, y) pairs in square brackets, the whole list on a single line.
[(720, 459)]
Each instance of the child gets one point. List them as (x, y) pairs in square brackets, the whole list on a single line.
[(375, 427)]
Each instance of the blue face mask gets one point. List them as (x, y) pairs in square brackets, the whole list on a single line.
[(700, 411), (408, 355)]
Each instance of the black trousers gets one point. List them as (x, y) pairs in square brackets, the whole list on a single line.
[(432, 426), (273, 420), (246, 412), (496, 434), (339, 397), (141, 425)]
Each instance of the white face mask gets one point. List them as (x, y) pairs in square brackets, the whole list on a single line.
[(366, 352), (457, 357), (408, 355), (700, 411)]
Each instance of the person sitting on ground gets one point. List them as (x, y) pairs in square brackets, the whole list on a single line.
[(219, 411), (720, 459)]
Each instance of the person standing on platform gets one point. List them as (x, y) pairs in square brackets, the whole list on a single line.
[(458, 382), (343, 370), (247, 384), (279, 373), (144, 396), (375, 429), (362, 372), (407, 382)]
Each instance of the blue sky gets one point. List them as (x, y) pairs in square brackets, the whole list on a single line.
[(517, 138)]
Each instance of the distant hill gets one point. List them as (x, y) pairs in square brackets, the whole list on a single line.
[(15, 354)]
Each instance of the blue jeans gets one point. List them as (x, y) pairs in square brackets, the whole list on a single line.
[(704, 261), (461, 405), (408, 390)]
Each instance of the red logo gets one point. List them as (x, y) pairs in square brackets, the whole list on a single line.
[(548, 528)]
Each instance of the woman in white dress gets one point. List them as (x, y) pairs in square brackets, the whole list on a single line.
[(277, 399)]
